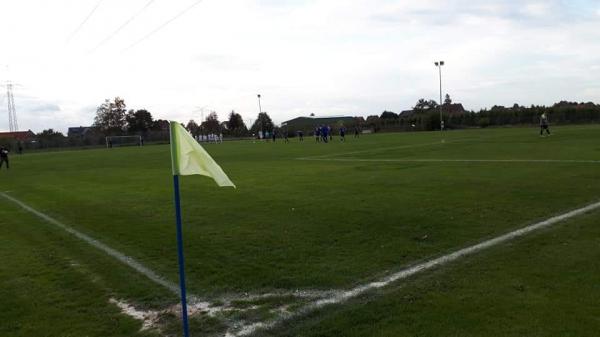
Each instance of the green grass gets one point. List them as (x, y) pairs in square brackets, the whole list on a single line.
[(542, 285), (290, 224)]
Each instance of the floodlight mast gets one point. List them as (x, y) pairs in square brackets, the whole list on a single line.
[(259, 112), (439, 65)]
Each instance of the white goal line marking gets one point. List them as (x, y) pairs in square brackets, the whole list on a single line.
[(172, 287), (546, 161), (406, 273)]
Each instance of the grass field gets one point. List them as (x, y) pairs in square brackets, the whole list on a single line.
[(318, 218)]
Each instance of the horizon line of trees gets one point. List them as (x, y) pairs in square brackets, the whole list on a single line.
[(112, 119), (425, 116)]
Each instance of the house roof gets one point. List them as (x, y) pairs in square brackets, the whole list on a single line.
[(80, 130), (18, 135), (453, 108)]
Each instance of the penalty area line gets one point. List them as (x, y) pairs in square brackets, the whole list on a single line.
[(172, 287), (344, 296), (525, 161), (399, 147)]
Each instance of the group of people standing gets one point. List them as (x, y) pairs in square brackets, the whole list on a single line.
[(324, 133)]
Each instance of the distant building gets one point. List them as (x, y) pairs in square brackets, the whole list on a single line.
[(23, 136), (450, 109), (453, 109), (308, 124), (406, 113), (79, 131)]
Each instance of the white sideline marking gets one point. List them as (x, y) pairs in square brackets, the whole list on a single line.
[(575, 161), (403, 274), (101, 246)]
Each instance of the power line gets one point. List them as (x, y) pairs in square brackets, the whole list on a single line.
[(125, 24), (84, 20), (157, 29)]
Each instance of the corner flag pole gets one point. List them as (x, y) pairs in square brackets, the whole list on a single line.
[(184, 314), (189, 158)]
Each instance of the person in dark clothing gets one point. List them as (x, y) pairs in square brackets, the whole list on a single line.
[(329, 133), (4, 157), (273, 135), (324, 135), (318, 134), (356, 133), (342, 134), (544, 124), (20, 148), (301, 135)]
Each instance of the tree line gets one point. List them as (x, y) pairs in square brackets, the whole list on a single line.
[(114, 119), (425, 116)]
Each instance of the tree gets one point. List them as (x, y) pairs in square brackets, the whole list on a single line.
[(389, 115), (139, 122), (447, 100), (193, 128), (211, 124), (424, 105), (51, 138), (236, 125), (110, 116), (374, 121), (263, 123)]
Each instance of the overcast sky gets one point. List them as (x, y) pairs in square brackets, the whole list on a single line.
[(348, 57)]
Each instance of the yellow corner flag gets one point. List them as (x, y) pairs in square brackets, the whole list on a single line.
[(189, 158)]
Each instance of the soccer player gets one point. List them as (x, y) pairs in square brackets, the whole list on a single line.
[(317, 134), (544, 125), (301, 135), (342, 134), (324, 135), (4, 157)]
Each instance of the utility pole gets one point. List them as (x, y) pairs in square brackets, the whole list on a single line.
[(439, 66), (13, 126)]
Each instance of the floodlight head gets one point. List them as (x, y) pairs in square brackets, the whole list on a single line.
[(258, 95), (436, 64), (442, 63)]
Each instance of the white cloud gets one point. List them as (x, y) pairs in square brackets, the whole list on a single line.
[(320, 56)]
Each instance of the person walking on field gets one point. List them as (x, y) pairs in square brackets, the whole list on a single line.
[(544, 125), (4, 157)]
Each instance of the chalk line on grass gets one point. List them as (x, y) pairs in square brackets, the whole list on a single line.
[(405, 273), (224, 304), (318, 299), (398, 160), (172, 287), (408, 146)]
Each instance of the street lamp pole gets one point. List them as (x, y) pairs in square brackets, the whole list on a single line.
[(259, 112), (439, 66)]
